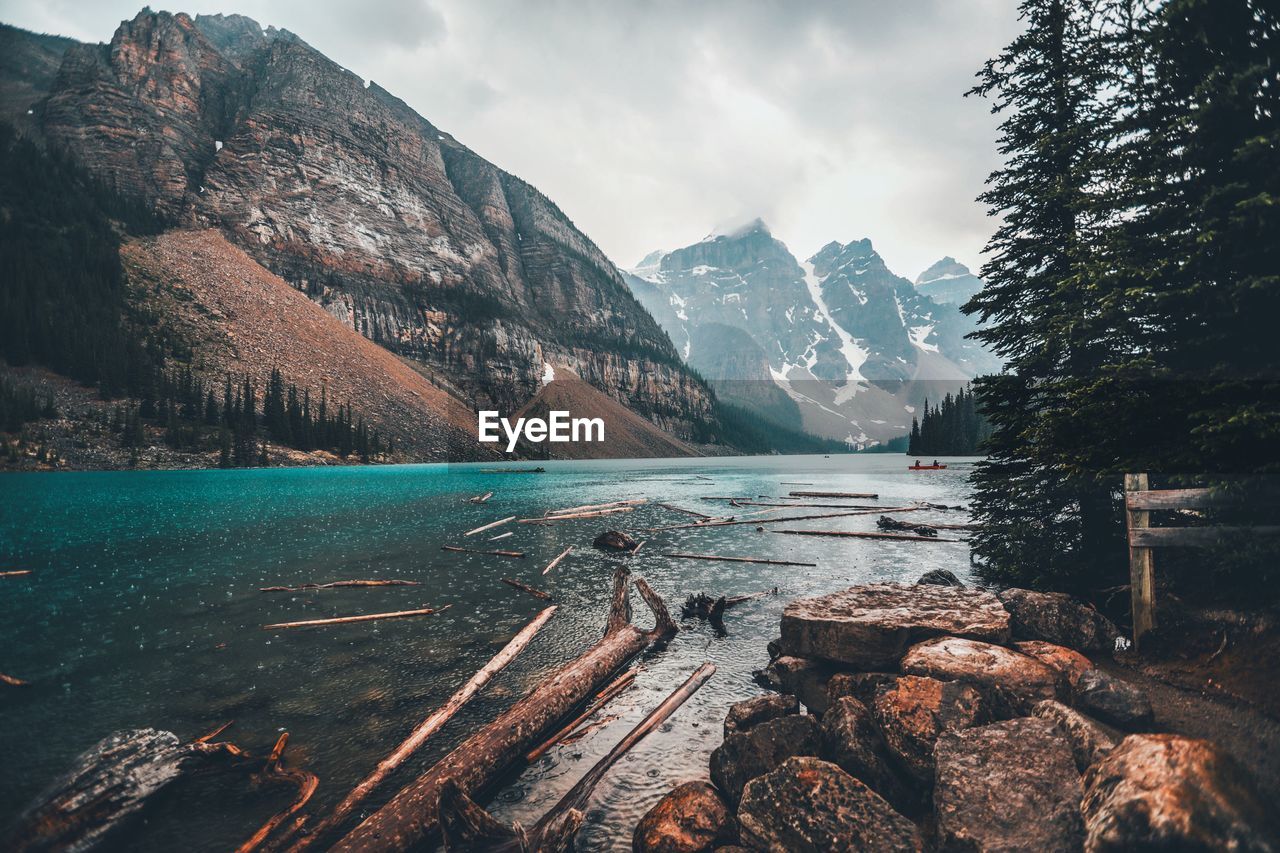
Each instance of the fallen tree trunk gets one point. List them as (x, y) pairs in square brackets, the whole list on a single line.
[(335, 585), (368, 617), (426, 729), (502, 536), (479, 499), (588, 507), (482, 528), (544, 519), (462, 550), (871, 495), (724, 559), (604, 697), (901, 537), (785, 518), (15, 574), (675, 508), (410, 818), (566, 552), (524, 587), (466, 826)]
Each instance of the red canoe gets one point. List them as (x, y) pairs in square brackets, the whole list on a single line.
[(925, 467)]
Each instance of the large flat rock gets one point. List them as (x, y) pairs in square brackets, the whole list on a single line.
[(1008, 786), (1016, 681), (916, 710), (1056, 617), (872, 625), (807, 805)]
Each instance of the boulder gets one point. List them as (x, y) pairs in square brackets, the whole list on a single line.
[(690, 819), (1068, 663), (940, 577), (871, 626), (806, 679), (1166, 792), (774, 648), (807, 804), (1008, 786), (916, 710), (1089, 740), (615, 540), (851, 739), (1113, 700), (1056, 617), (1013, 680), (744, 715), (746, 755), (863, 686)]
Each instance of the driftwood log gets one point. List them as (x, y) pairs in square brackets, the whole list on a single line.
[(524, 587), (410, 818), (17, 573), (479, 499), (871, 495), (462, 550), (482, 528), (466, 826), (847, 534), (13, 681), (566, 552), (424, 730), (887, 523), (722, 558), (336, 585), (604, 697), (589, 507), (367, 617)]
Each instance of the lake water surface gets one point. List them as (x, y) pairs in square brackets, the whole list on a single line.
[(144, 611)]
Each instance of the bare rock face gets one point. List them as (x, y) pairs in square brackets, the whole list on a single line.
[(1008, 786), (1090, 742), (1113, 701), (1069, 664), (807, 804), (690, 819), (745, 715), (852, 740), (1056, 617), (615, 540), (806, 679), (871, 626), (743, 757), (915, 711), (1165, 792), (1015, 680)]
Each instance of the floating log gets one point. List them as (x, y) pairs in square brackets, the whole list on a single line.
[(730, 522), (833, 494), (675, 508), (482, 528), (410, 819), (795, 505), (12, 681), (790, 483), (901, 537), (587, 507), (592, 514), (426, 729), (275, 771), (479, 499), (336, 584), (368, 617), (725, 559), (501, 536), (17, 573), (602, 698), (466, 826), (459, 549), (524, 587), (557, 560), (538, 470)]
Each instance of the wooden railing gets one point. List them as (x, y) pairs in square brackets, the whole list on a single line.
[(1139, 502)]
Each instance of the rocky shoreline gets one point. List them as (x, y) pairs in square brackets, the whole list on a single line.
[(939, 717)]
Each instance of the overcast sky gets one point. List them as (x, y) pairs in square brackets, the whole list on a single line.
[(653, 123)]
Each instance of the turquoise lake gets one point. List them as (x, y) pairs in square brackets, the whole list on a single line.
[(143, 611)]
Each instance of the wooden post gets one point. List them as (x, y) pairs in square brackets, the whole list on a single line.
[(1142, 579)]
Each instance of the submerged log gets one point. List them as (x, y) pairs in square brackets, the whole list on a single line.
[(336, 584), (681, 509), (410, 818), (12, 681), (604, 697), (595, 513), (368, 617), (589, 507), (276, 771), (725, 559), (524, 587), (462, 550), (427, 728), (482, 528), (704, 606), (466, 826), (479, 499), (17, 573), (566, 552), (887, 523)]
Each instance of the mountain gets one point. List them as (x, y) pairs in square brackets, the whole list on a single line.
[(948, 281), (400, 232), (854, 347)]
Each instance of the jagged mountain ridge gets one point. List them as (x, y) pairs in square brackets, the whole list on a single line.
[(397, 229), (948, 280), (855, 346)]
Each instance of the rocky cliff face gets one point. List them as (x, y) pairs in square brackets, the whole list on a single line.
[(397, 229), (853, 345)]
